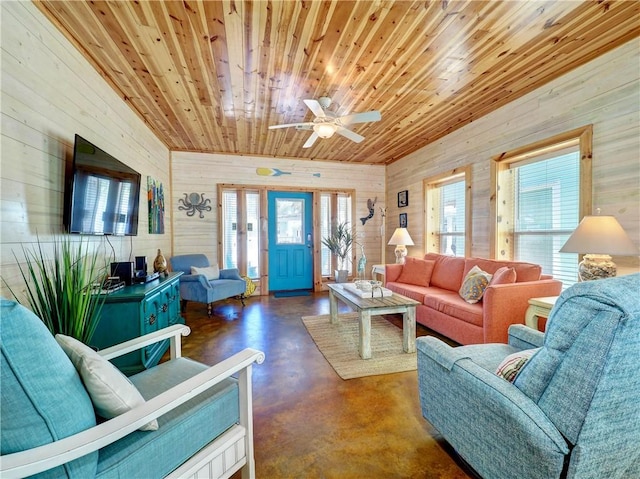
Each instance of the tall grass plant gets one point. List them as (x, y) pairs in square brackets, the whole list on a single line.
[(59, 289)]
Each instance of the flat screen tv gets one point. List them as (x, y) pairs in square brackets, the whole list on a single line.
[(102, 194)]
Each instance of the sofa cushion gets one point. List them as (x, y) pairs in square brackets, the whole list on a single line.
[(503, 275), (111, 391), (524, 271), (474, 284), (43, 399), (511, 365), (447, 272), (416, 271), (411, 291), (451, 304), (209, 272), (183, 431)]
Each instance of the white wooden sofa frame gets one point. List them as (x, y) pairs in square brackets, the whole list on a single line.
[(221, 458)]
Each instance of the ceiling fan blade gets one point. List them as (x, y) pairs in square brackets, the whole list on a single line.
[(287, 125), (341, 130), (312, 139), (364, 117), (315, 107)]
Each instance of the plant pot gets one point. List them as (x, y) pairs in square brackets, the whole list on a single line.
[(341, 275)]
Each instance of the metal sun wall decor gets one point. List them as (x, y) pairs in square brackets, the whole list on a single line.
[(194, 202), (371, 207), (155, 199)]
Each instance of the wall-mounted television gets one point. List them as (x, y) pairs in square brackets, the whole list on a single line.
[(102, 195)]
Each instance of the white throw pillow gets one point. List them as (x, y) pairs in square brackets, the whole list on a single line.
[(209, 272), (111, 391)]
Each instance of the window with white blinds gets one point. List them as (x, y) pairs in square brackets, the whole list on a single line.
[(541, 191), (547, 209), (447, 213), (230, 228), (334, 208), (246, 246)]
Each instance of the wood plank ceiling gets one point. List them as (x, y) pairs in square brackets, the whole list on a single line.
[(211, 76)]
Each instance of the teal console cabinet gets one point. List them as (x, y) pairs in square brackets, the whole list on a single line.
[(137, 310)]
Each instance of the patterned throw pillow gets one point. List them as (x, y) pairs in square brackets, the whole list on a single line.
[(474, 284), (512, 364)]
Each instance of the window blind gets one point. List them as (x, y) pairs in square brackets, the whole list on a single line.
[(546, 211)]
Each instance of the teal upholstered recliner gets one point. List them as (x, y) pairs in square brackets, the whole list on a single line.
[(196, 287), (573, 410), (49, 427)]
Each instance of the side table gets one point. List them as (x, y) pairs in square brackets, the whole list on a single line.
[(539, 308)]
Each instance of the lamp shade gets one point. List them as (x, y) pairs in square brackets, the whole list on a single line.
[(401, 236), (324, 130), (600, 235)]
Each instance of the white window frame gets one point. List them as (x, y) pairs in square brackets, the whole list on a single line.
[(432, 195), (503, 208)]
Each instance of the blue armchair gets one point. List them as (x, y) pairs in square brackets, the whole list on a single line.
[(196, 287), (201, 416), (572, 411)]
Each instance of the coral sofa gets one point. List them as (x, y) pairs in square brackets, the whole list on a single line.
[(436, 280)]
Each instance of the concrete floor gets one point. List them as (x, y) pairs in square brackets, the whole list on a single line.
[(308, 422)]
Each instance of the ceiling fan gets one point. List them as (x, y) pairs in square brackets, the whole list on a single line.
[(326, 122)]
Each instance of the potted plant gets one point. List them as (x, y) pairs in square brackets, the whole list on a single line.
[(339, 242), (59, 290)]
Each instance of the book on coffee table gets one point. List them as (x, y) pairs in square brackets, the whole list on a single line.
[(351, 288)]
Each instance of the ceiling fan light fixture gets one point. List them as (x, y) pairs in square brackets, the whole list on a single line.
[(324, 130)]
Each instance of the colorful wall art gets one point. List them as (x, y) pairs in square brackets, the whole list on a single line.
[(155, 197)]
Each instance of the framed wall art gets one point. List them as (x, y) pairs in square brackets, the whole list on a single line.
[(403, 220), (403, 198), (155, 198)]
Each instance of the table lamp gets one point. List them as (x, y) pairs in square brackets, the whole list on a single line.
[(598, 237), (400, 239)]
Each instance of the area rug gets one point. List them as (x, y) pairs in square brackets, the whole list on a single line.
[(339, 345)]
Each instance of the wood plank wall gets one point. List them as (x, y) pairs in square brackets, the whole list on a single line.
[(604, 92), (201, 173), (50, 93)]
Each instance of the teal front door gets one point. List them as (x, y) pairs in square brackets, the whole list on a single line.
[(290, 240)]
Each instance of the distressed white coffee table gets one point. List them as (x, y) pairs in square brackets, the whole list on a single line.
[(367, 306)]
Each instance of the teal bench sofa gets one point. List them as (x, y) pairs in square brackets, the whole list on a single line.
[(197, 287), (49, 427)]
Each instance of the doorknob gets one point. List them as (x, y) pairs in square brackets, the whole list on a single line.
[(309, 244)]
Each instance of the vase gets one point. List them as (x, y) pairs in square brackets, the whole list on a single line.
[(341, 275), (160, 263)]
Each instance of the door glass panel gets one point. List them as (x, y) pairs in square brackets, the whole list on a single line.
[(290, 221), (253, 234)]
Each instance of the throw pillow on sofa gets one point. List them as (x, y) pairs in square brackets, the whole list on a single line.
[(416, 271), (111, 392), (512, 364), (474, 284), (209, 272), (504, 275)]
